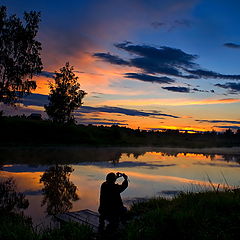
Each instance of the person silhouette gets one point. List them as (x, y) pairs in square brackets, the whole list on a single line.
[(111, 207)]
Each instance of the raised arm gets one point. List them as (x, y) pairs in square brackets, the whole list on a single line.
[(124, 184)]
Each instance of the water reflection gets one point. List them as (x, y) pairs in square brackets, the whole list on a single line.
[(58, 190), (10, 199)]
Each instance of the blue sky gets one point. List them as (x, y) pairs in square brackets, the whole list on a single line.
[(198, 38)]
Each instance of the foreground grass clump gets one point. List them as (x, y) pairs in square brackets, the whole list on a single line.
[(205, 216), (18, 227), (69, 231), (15, 226)]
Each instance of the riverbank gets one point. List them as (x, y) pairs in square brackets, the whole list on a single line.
[(208, 215), (21, 131)]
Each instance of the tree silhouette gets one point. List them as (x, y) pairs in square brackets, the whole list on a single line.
[(58, 190), (19, 55), (65, 96)]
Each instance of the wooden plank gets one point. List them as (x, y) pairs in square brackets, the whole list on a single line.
[(85, 216)]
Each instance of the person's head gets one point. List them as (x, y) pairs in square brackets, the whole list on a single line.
[(111, 177)]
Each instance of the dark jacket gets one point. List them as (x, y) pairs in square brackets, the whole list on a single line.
[(110, 198)]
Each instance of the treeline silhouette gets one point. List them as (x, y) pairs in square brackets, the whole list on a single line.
[(20, 130)]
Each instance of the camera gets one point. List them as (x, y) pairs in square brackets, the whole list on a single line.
[(118, 174)]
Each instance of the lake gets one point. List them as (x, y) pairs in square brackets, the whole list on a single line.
[(151, 171)]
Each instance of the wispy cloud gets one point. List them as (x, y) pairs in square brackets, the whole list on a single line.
[(231, 45), (171, 102), (219, 121), (210, 74), (177, 89), (162, 60), (185, 89), (125, 111), (233, 87), (106, 123), (113, 59), (149, 78), (157, 24), (169, 26), (183, 22), (47, 74), (227, 127)]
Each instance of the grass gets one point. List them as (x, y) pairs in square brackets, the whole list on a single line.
[(204, 216), (18, 227), (68, 231)]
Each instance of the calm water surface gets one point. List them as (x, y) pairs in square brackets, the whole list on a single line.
[(150, 174)]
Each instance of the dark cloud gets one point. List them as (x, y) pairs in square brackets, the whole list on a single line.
[(210, 74), (33, 193), (157, 24), (201, 90), (227, 127), (47, 74), (149, 78), (169, 26), (102, 123), (107, 57), (219, 121), (231, 45), (168, 57), (24, 168), (101, 119), (183, 22), (161, 60), (76, 71), (35, 99), (233, 87), (125, 111), (177, 89)]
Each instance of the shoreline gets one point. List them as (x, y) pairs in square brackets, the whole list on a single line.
[(208, 150)]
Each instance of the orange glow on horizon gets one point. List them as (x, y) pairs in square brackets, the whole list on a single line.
[(170, 102)]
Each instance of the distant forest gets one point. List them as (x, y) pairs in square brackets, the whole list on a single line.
[(20, 130)]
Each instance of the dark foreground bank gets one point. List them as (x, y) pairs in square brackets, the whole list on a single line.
[(206, 215)]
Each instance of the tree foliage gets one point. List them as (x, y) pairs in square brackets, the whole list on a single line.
[(19, 55), (65, 96)]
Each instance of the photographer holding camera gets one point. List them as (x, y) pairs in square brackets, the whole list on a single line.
[(111, 206)]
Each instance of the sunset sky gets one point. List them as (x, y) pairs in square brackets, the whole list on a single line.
[(169, 64)]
